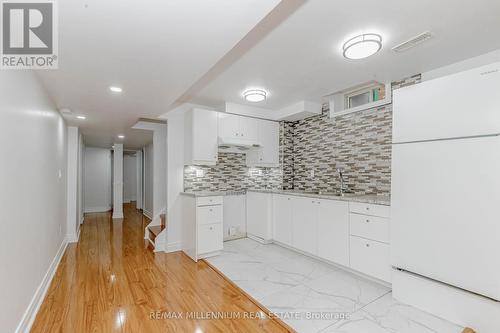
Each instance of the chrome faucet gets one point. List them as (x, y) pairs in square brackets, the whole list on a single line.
[(343, 185)]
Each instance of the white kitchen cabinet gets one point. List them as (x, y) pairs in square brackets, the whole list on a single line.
[(202, 234), (370, 257), (229, 125), (259, 216), (369, 240), (333, 231), (238, 129), (268, 154), (200, 135), (282, 217), (305, 224)]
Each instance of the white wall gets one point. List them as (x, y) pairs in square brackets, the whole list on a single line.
[(81, 163), (148, 180), (97, 179), (72, 192), (175, 176), (129, 178), (32, 195)]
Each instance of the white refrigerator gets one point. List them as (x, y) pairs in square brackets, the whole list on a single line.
[(445, 199)]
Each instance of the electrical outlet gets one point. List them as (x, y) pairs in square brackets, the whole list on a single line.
[(200, 173)]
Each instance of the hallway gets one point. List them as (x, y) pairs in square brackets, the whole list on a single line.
[(110, 282)]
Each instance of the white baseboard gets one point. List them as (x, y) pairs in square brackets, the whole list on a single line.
[(173, 247), (30, 313), (97, 209)]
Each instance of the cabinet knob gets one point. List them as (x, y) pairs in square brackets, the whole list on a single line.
[(288, 198), (367, 221), (367, 208), (367, 245), (211, 228), (210, 209)]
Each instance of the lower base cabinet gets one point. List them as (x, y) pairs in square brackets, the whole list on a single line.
[(333, 231), (202, 234), (282, 219), (370, 257)]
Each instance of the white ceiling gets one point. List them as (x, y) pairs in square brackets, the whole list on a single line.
[(163, 53), (302, 58), (154, 50)]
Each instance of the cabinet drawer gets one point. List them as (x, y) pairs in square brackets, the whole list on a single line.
[(210, 238), (372, 227), (206, 201), (209, 214), (369, 209), (370, 257)]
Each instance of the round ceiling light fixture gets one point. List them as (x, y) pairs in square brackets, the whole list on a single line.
[(255, 95), (362, 46), (116, 89)]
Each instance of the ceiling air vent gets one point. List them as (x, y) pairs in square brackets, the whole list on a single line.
[(412, 42)]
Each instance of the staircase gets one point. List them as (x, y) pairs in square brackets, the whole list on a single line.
[(155, 230)]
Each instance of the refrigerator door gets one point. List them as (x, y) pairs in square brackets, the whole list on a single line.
[(459, 105), (445, 212)]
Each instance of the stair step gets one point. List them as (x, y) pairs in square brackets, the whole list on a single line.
[(154, 231)]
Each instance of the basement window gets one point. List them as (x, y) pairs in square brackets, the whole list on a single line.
[(373, 93)]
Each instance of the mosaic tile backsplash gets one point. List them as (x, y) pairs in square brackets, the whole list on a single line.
[(359, 143), (231, 174)]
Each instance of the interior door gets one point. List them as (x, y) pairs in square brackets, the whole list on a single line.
[(445, 216)]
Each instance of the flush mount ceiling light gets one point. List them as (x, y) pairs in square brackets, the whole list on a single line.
[(81, 117), (121, 136), (362, 46), (115, 89), (255, 95)]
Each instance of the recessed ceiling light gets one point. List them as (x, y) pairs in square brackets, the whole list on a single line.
[(362, 46), (115, 89), (81, 117), (121, 136), (255, 95)]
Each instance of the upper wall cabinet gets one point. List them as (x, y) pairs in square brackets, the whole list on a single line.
[(200, 140), (238, 130), (268, 154)]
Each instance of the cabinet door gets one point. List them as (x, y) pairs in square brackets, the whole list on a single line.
[(249, 129), (229, 125), (204, 135), (258, 208), (270, 141), (210, 238), (304, 224), (370, 257), (282, 219), (333, 231)]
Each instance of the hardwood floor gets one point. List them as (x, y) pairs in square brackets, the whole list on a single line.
[(111, 282)]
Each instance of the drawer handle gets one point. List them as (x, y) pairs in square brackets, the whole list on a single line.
[(367, 221), (210, 209), (367, 245), (367, 208), (211, 228)]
